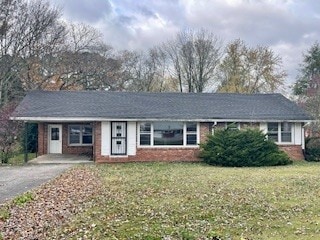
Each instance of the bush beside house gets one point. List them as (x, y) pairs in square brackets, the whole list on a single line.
[(312, 152), (242, 148)]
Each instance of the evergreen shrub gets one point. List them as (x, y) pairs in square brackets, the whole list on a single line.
[(242, 148), (312, 151)]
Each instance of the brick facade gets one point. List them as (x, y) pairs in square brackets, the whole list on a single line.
[(42, 138), (146, 153), (294, 151), (66, 149)]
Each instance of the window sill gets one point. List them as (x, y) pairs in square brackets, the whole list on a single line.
[(169, 146), (80, 145)]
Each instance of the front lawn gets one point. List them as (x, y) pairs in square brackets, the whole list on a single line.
[(197, 201), (170, 201)]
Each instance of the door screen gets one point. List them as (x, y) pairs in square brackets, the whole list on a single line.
[(119, 138)]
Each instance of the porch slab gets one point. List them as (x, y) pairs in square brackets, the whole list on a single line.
[(61, 159)]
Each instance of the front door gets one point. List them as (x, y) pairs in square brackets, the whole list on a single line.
[(55, 138), (118, 138)]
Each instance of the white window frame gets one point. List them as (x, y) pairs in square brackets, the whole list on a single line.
[(145, 133), (169, 146), (186, 133), (81, 135), (279, 141)]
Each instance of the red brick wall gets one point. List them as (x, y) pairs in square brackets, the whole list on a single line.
[(42, 138), (205, 130), (66, 149), (97, 141), (293, 151), (155, 154)]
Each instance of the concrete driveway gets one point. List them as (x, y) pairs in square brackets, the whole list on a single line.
[(15, 180)]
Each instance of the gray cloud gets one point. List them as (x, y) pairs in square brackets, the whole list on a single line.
[(88, 11), (289, 27)]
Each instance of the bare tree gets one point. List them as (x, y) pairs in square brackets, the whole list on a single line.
[(194, 56), (29, 29), (145, 71), (250, 70), (9, 131), (83, 61)]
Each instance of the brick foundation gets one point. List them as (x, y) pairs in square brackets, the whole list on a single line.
[(155, 154), (293, 151)]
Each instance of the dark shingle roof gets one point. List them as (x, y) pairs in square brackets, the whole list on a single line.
[(134, 105)]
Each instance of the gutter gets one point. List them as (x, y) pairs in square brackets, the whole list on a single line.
[(98, 119)]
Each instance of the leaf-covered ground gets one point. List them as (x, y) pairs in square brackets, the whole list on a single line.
[(196, 201), (35, 214)]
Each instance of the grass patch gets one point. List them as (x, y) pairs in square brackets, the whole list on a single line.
[(4, 213), (23, 199), (197, 201), (19, 158)]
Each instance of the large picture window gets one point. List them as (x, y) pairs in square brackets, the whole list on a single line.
[(168, 134), (80, 135), (280, 132)]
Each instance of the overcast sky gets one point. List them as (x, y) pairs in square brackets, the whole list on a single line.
[(289, 27)]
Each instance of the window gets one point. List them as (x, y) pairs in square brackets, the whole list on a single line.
[(280, 132), (191, 133), (54, 133), (168, 134), (80, 135), (286, 132), (145, 133), (273, 131)]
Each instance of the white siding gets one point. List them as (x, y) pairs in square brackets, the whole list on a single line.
[(302, 137), (105, 138), (297, 134), (132, 138), (264, 127)]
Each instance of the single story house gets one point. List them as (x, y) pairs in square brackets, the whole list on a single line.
[(140, 126)]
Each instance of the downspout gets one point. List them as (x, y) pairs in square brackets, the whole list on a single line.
[(213, 127), (303, 136)]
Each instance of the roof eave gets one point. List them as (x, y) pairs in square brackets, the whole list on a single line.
[(98, 119)]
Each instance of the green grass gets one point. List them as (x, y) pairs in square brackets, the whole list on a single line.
[(23, 199), (19, 158), (197, 201), (4, 213)]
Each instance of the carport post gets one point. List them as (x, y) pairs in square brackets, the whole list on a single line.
[(26, 142)]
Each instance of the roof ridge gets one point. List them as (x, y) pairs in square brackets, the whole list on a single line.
[(152, 93)]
